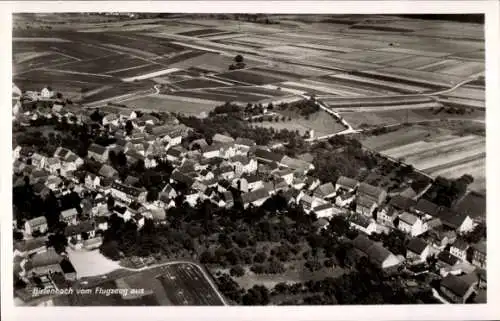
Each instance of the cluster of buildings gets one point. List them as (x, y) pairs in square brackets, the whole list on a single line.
[(211, 172)]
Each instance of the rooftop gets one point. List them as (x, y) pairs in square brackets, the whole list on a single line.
[(416, 245)]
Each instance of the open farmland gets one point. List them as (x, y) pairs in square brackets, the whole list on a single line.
[(435, 151), (174, 104)]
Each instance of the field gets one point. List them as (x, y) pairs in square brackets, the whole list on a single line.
[(175, 104), (435, 151)]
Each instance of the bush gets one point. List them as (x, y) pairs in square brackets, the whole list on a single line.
[(237, 271)]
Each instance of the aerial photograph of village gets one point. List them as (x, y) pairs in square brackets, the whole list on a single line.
[(165, 159)]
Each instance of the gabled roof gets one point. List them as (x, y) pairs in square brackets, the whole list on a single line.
[(447, 258), (97, 149), (127, 189), (222, 138), (347, 182), (456, 285), (252, 178), (256, 195), (375, 251), (30, 244), (268, 156), (473, 204), (427, 207), (451, 218), (460, 244), (131, 180), (361, 220), (294, 163), (401, 203), (245, 142), (69, 213), (183, 178), (49, 257), (322, 207), (82, 227), (408, 218), (370, 191), (325, 190), (364, 201), (107, 171), (37, 221), (210, 148), (416, 245)]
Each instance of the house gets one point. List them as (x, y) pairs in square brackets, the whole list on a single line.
[(43, 263), (98, 152), (169, 192), (266, 156), (218, 138), (445, 259), (386, 216), (325, 191), (365, 206), (69, 216), (441, 238), (344, 200), (37, 224), (46, 93), (173, 154), (417, 250), (149, 119), (111, 118), (460, 222), (38, 160), (309, 202), (311, 183), (68, 269), (128, 193), (376, 194), (472, 204), (228, 199), (28, 247), (150, 162), (254, 182), (223, 172), (459, 249), (363, 224), (108, 171), (52, 165), (347, 184), (296, 164), (324, 210), (178, 176), (92, 244), (54, 183), (127, 115), (255, 198), (457, 289), (243, 164), (401, 203), (76, 234), (211, 151), (101, 223), (410, 224), (92, 181), (426, 208), (244, 144), (375, 252), (479, 255), (192, 196)]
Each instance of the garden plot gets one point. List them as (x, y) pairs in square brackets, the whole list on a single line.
[(465, 69)]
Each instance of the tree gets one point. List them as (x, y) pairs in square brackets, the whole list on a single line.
[(238, 59), (237, 271), (110, 202), (152, 195), (129, 127)]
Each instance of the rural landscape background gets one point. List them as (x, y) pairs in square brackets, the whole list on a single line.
[(393, 102)]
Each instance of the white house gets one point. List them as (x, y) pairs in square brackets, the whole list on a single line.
[(347, 184), (410, 224), (459, 249), (363, 224), (46, 93), (36, 224), (324, 210), (69, 216)]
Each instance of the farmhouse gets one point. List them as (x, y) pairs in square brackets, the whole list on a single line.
[(43, 263), (459, 249), (461, 223), (347, 184), (363, 224), (417, 250), (255, 198), (401, 203), (265, 156), (365, 206), (76, 234), (69, 216), (479, 255), (426, 208), (108, 171), (37, 224), (410, 224), (325, 191), (375, 252), (244, 144), (98, 152), (457, 289), (127, 193), (387, 215), (344, 200), (376, 194), (324, 210), (30, 246)]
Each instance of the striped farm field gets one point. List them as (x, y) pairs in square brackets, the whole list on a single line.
[(105, 64), (383, 86), (250, 77), (199, 83), (170, 103), (414, 62), (404, 136), (373, 56), (297, 51)]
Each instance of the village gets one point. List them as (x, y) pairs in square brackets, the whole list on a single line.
[(228, 172)]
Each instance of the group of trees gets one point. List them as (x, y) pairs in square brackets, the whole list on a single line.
[(238, 63), (446, 192)]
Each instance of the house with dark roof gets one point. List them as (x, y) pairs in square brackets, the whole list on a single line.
[(445, 259), (69, 216), (427, 209), (377, 254), (347, 184), (255, 198), (401, 203), (244, 144), (365, 205), (324, 210), (479, 255), (180, 177), (460, 222), (410, 224), (228, 199), (266, 156), (68, 269), (43, 263), (344, 199), (127, 193), (31, 246), (296, 164), (386, 215), (254, 182), (98, 152), (76, 234), (457, 289), (417, 250), (473, 204), (363, 224), (374, 193), (459, 249)]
